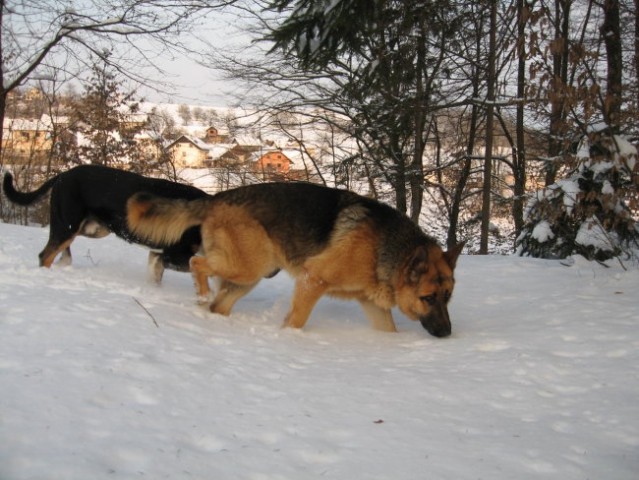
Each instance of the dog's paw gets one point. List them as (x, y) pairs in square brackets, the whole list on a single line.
[(203, 300), (65, 261)]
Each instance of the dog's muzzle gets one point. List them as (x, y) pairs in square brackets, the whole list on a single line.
[(437, 323)]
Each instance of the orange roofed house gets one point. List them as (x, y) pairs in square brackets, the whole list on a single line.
[(274, 163)]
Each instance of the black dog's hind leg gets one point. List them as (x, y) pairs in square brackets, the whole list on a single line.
[(155, 267), (52, 249), (65, 257), (66, 218)]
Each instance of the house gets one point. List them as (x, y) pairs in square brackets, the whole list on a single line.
[(134, 121), (33, 94), (245, 148), (26, 139), (190, 152), (214, 150), (273, 162), (213, 135), (286, 164), (150, 145)]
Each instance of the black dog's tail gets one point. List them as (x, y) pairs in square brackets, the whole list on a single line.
[(25, 198)]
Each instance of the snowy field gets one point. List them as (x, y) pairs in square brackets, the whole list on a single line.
[(540, 379)]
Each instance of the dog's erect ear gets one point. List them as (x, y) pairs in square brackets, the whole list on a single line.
[(452, 254), (417, 265)]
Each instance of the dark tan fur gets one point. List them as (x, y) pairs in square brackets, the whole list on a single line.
[(358, 249)]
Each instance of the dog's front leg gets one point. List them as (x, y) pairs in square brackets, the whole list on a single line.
[(201, 272), (380, 318), (227, 295), (308, 290)]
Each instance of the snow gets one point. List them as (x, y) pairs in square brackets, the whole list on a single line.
[(583, 151), (543, 232), (592, 233), (625, 148), (539, 379), (607, 188), (571, 190)]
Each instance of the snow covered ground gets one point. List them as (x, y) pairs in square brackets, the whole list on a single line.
[(540, 378)]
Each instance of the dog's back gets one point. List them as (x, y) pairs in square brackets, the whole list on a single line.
[(301, 217), (102, 192)]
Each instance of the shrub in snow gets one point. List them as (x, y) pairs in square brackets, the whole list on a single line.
[(590, 212)]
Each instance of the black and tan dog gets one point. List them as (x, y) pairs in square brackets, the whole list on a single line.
[(332, 241), (90, 200)]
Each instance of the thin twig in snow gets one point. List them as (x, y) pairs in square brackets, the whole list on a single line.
[(147, 312)]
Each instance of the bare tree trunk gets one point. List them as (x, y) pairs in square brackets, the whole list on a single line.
[(460, 187), (401, 202), (488, 171), (637, 54), (519, 162), (417, 168), (611, 33), (560, 82), (3, 103), (458, 196)]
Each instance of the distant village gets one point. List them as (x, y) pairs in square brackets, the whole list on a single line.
[(229, 144), (202, 143)]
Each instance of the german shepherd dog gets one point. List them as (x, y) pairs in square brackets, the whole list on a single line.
[(90, 200), (331, 241)]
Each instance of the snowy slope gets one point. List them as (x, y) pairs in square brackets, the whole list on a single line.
[(539, 380)]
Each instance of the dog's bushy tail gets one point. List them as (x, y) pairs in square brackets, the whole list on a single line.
[(25, 198), (162, 221)]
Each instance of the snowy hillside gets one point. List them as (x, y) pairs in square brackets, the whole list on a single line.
[(539, 380)]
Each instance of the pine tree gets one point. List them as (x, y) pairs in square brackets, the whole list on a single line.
[(589, 212), (318, 32), (101, 121)]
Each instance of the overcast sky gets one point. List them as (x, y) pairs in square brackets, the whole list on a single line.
[(194, 83)]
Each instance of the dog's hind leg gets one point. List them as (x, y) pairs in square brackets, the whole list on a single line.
[(52, 249), (308, 290), (155, 267), (66, 216), (228, 294), (380, 318), (65, 258)]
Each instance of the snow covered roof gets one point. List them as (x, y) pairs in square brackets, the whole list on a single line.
[(26, 124), (296, 156), (201, 144), (247, 140), (217, 150)]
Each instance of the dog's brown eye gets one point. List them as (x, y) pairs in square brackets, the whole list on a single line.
[(429, 299)]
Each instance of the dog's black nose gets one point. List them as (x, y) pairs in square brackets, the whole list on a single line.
[(436, 329)]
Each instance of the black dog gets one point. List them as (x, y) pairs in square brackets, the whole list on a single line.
[(90, 200)]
